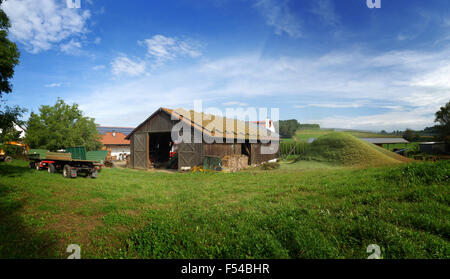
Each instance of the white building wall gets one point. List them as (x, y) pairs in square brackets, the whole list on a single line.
[(118, 150)]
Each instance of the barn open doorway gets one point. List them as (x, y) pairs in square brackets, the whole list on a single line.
[(246, 147), (160, 151)]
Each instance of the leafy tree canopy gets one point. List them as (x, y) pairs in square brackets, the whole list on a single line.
[(9, 54), (410, 135), (10, 116), (287, 128), (443, 118), (61, 126)]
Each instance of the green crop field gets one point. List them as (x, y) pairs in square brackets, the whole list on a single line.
[(301, 210)]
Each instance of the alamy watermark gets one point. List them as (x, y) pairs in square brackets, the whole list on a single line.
[(73, 4), (239, 125), (371, 4), (75, 249), (375, 250)]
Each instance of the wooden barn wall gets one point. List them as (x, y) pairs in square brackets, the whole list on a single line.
[(222, 149), (131, 152), (160, 123), (258, 158), (140, 150)]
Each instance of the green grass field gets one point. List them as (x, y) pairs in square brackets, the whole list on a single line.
[(301, 210)]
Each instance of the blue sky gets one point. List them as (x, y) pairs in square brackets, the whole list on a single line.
[(333, 62)]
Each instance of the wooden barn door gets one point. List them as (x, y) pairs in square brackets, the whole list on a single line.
[(140, 155), (189, 154)]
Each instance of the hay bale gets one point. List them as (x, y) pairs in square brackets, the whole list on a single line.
[(235, 162)]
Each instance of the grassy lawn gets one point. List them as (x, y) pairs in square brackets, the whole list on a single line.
[(301, 210)]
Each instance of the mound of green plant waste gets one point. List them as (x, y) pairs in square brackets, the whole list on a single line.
[(345, 149), (270, 166)]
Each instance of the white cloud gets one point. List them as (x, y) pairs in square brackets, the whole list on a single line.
[(279, 16), (332, 105), (235, 103), (71, 47), (98, 67), (325, 10), (396, 120), (438, 78), (53, 85), (97, 40), (123, 65), (163, 48), (411, 86), (39, 25)]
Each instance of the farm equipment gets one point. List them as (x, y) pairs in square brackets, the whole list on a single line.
[(4, 157), (72, 162)]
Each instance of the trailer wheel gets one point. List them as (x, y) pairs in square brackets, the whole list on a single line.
[(93, 174), (66, 171), (38, 166), (51, 168), (8, 159)]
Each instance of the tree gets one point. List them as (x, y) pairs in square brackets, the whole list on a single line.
[(287, 128), (410, 135), (9, 117), (61, 126), (9, 54), (443, 118)]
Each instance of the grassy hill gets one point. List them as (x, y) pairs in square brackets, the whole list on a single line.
[(345, 149), (342, 149)]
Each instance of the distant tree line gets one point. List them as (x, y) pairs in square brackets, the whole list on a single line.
[(440, 131), (287, 128), (309, 126)]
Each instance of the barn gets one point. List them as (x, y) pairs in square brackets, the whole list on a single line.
[(210, 136)]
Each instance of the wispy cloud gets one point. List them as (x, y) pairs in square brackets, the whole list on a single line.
[(235, 103), (40, 25), (123, 65), (51, 85), (326, 12), (71, 47), (279, 16), (163, 48), (332, 105), (410, 85), (99, 67)]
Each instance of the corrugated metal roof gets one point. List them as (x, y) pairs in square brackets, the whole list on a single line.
[(385, 140)]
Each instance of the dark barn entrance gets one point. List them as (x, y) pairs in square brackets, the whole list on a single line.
[(159, 147)]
